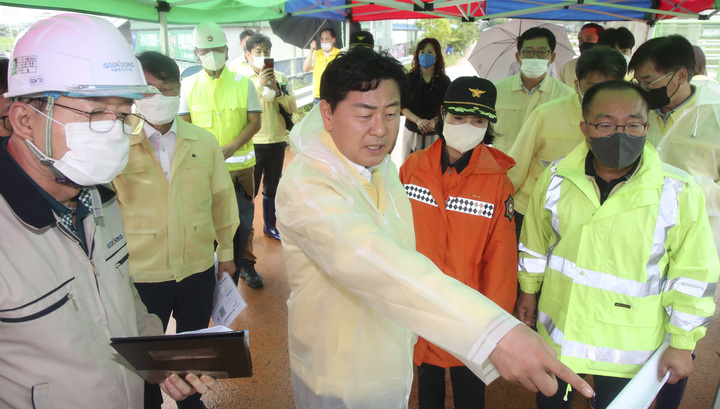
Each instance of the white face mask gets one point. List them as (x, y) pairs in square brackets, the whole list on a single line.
[(159, 109), (326, 47), (463, 137), (94, 158), (213, 60), (533, 67), (258, 62)]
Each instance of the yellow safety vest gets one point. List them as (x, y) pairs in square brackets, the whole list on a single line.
[(220, 106), (321, 61)]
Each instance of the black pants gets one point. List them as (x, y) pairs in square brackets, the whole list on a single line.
[(190, 303), (468, 389), (269, 159), (606, 389)]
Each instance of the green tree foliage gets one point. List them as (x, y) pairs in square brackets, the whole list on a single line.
[(456, 34)]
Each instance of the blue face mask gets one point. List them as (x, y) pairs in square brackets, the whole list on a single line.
[(426, 60)]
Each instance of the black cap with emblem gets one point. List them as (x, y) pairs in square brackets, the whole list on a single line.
[(363, 38), (471, 96)]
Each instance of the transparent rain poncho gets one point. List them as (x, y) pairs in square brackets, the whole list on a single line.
[(360, 291)]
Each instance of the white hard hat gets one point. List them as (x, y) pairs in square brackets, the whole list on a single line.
[(77, 56), (209, 35)]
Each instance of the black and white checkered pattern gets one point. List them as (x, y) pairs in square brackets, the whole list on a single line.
[(469, 206), (455, 204), (420, 194), (84, 199)]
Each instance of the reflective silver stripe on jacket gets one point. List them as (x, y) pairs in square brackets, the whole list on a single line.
[(691, 287), (552, 197), (240, 159), (531, 265), (584, 351), (688, 322), (667, 218)]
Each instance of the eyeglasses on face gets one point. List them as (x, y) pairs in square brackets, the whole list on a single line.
[(605, 129)]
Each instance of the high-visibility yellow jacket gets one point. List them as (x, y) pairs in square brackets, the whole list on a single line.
[(171, 226), (690, 140), (551, 131), (618, 278), (514, 105), (220, 106), (359, 290), (320, 61)]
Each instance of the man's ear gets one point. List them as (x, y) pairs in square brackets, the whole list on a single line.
[(517, 57), (682, 75), (552, 58), (20, 114), (326, 114)]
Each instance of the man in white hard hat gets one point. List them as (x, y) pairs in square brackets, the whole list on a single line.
[(227, 105), (65, 288)]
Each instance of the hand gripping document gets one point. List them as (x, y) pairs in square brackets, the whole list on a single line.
[(217, 351), (641, 390)]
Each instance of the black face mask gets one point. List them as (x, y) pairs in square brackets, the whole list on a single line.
[(658, 97), (618, 150)]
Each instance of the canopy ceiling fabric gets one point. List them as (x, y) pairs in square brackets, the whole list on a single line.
[(240, 11), (181, 11)]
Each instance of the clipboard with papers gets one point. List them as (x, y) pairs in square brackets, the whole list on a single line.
[(217, 352)]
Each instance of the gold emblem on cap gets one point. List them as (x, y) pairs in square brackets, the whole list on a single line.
[(361, 38), (476, 92)]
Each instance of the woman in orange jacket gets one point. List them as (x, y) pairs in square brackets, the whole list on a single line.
[(463, 213)]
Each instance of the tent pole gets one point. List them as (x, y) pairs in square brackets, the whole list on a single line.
[(162, 17)]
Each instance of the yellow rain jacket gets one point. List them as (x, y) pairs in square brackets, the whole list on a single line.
[(514, 105), (618, 278), (359, 290), (550, 132), (691, 141)]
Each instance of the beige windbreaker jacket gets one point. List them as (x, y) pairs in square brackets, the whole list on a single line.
[(360, 291), (59, 308)]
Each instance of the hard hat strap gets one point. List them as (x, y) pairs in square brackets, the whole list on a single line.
[(48, 125)]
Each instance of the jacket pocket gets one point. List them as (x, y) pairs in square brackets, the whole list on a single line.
[(41, 306), (40, 399), (202, 116)]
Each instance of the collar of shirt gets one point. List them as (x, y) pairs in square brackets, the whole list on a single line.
[(153, 133), (607, 187), (530, 91), (459, 165), (366, 173), (33, 205), (667, 115)]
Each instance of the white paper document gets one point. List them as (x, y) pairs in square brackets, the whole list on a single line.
[(641, 391), (227, 301)]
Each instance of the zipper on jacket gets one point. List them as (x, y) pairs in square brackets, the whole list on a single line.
[(70, 296)]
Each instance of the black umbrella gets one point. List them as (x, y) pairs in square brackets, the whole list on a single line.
[(300, 31)]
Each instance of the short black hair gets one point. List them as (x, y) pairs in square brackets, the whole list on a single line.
[(535, 32), (4, 62), (329, 29), (619, 37), (603, 60), (160, 66), (257, 39), (360, 69), (666, 53), (614, 85), (598, 28), (247, 33)]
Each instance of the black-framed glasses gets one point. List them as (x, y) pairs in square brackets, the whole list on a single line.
[(102, 120), (606, 129), (647, 86), (5, 122), (532, 53)]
